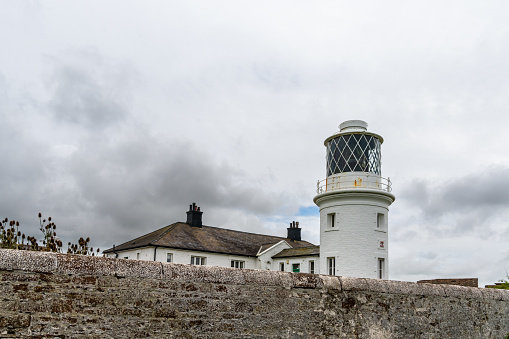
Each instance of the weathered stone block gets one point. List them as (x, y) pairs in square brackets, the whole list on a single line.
[(138, 268), (331, 283), (29, 261), (76, 264), (400, 287), (429, 290), (13, 320), (306, 280), (286, 279), (353, 284), (223, 275), (180, 272), (377, 285), (455, 291), (262, 278), (495, 294)]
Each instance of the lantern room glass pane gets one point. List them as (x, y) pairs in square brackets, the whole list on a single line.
[(353, 153)]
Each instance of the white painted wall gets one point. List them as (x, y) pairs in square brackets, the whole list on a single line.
[(303, 261), (355, 239), (223, 260), (265, 261), (184, 256)]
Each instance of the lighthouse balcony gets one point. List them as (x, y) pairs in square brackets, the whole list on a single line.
[(352, 180)]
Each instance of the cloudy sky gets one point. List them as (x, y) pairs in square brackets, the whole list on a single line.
[(115, 116)]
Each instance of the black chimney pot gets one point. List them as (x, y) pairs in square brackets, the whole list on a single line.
[(294, 231), (194, 216)]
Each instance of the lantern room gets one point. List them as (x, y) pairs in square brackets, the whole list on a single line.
[(354, 159), (354, 149)]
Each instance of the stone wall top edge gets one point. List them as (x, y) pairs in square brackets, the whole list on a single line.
[(424, 289), (69, 264), (73, 264)]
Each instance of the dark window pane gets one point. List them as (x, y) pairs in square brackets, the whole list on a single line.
[(353, 153)]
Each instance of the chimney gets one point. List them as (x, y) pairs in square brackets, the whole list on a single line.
[(294, 231), (194, 216)]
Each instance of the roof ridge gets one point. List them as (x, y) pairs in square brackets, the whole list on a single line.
[(227, 229), (170, 227), (112, 249)]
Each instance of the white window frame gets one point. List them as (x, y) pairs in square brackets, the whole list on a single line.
[(381, 268), (195, 260), (238, 264), (312, 266), (169, 257), (331, 265), (282, 266), (380, 221), (138, 256), (331, 220)]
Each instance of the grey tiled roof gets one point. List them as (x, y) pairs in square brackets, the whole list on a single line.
[(208, 239), (298, 252)]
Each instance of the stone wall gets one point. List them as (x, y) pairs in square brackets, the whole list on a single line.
[(45, 295), (469, 282)]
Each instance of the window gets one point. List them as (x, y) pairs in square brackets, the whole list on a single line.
[(353, 153), (331, 219), (296, 268), (198, 260), (380, 220), (282, 266), (312, 266), (381, 268), (237, 264), (331, 265), (137, 256), (169, 257)]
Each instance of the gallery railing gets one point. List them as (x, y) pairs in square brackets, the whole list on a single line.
[(358, 180)]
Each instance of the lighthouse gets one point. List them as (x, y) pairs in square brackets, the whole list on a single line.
[(354, 202)]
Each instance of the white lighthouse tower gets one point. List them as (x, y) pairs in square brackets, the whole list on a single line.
[(354, 202)]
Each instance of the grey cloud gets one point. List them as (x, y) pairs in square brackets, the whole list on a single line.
[(417, 264), (21, 177), (24, 171), (418, 268), (427, 255), (139, 184), (469, 200), (90, 92)]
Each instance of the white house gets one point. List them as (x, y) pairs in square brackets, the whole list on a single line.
[(193, 243), (354, 203)]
